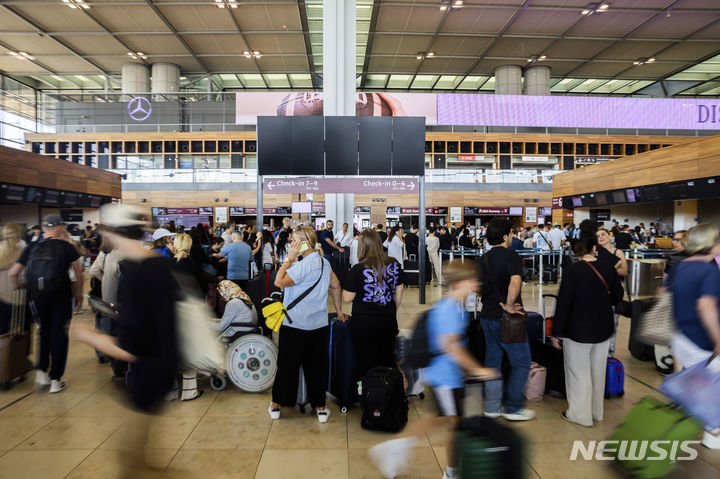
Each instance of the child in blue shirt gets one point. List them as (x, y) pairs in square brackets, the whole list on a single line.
[(452, 362)]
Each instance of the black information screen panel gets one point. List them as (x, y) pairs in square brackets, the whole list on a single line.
[(306, 152), (273, 145), (376, 145), (341, 145), (408, 146)]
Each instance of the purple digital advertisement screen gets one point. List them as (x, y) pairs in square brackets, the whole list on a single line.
[(579, 112)]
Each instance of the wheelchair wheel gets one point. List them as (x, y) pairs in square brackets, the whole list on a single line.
[(218, 382), (251, 363)]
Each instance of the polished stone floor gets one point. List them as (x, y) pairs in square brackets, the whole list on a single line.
[(75, 434)]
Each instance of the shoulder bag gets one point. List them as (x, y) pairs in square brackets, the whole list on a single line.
[(275, 312), (513, 326)]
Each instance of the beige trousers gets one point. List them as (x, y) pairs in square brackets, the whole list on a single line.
[(585, 365)]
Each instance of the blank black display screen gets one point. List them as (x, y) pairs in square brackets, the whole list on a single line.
[(408, 146), (376, 145), (273, 145), (341, 145), (306, 153)]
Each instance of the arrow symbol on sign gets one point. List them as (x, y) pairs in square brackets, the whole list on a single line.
[(270, 185), (412, 186)]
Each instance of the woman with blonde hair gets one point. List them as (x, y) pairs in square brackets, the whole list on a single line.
[(374, 286), (182, 243), (307, 279), (695, 285), (10, 250)]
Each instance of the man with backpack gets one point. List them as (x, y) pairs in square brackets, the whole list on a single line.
[(46, 265), (439, 346)]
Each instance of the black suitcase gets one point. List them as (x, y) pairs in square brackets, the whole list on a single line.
[(411, 271), (259, 288), (340, 265), (550, 273), (638, 350), (342, 365), (554, 361), (489, 449)]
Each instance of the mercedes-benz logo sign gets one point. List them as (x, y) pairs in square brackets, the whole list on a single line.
[(139, 108)]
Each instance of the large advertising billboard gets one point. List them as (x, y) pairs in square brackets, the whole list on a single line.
[(499, 110)]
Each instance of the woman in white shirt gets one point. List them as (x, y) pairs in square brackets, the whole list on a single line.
[(354, 248), (395, 245)]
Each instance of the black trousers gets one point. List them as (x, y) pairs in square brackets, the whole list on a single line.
[(54, 318), (374, 345), (309, 349)]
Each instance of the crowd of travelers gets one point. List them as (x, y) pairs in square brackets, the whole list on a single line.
[(135, 272)]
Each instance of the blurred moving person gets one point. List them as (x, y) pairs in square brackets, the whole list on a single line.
[(452, 362), (46, 264), (10, 250), (374, 287), (147, 328), (695, 284), (106, 269), (584, 320)]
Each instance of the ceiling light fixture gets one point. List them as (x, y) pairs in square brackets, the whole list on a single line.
[(76, 4), (536, 58), (137, 55), (22, 55), (255, 54), (430, 54), (458, 3), (595, 7), (443, 8), (642, 61)]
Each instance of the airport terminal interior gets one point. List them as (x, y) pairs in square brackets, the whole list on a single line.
[(189, 189)]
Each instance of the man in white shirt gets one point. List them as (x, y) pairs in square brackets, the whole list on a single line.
[(557, 237), (542, 238), (344, 237)]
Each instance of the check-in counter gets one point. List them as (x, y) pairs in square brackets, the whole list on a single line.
[(645, 276)]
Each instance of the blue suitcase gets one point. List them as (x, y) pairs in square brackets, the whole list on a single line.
[(614, 378), (342, 365)]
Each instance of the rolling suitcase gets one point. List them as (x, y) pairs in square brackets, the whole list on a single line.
[(489, 449), (652, 421), (638, 350), (259, 288), (342, 365), (614, 378), (411, 271), (414, 386), (554, 361), (15, 344), (340, 265)]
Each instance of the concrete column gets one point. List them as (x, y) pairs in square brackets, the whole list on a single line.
[(685, 213), (339, 85), (135, 79), (508, 80), (537, 80), (165, 79)]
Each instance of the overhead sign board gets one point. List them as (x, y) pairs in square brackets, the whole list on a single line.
[(340, 185)]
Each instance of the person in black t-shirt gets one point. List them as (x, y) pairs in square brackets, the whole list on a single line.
[(623, 239), (501, 276), (412, 241), (46, 265), (326, 238), (374, 286), (615, 257)]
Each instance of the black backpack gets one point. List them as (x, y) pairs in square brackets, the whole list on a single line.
[(47, 271), (383, 401), (420, 355)]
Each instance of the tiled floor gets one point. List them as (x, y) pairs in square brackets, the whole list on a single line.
[(76, 433)]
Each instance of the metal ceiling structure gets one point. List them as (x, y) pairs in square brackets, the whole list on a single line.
[(618, 47)]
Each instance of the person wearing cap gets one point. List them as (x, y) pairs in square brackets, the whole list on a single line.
[(46, 264), (163, 242), (147, 330)]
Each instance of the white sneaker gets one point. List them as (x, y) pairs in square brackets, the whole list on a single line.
[(447, 476), (57, 385), (42, 379), (274, 413), (492, 415), (323, 415), (711, 439), (521, 415), (391, 457)]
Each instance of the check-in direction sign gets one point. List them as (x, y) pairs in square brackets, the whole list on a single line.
[(341, 185)]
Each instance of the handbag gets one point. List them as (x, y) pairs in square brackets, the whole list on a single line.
[(696, 390), (275, 312), (657, 325), (513, 326)]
